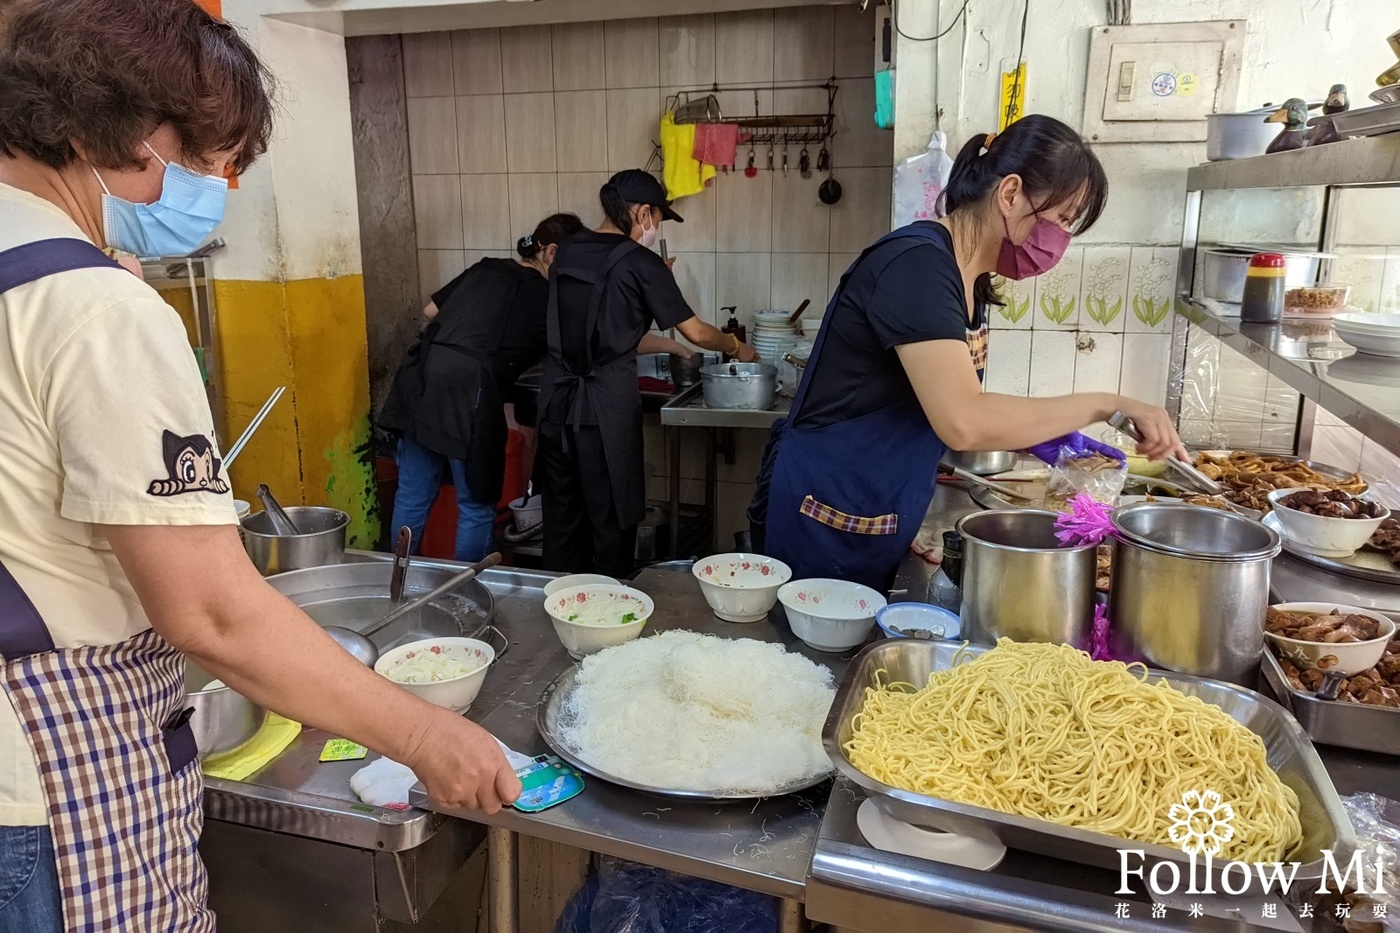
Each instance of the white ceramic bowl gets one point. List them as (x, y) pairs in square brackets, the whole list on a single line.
[(1376, 334), (898, 619), (1345, 659), (569, 581), (810, 326), (456, 693), (741, 587), (830, 615), (583, 638), (529, 513), (243, 507), (1320, 535)]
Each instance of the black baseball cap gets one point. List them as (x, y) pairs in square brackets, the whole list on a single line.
[(639, 187)]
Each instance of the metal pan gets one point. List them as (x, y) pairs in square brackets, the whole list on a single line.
[(1325, 824), (547, 719), (1335, 722), (1363, 565)]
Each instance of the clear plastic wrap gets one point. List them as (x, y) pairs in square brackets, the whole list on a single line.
[(919, 182), (1376, 820), (625, 897), (1076, 473)]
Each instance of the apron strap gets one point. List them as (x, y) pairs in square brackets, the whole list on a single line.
[(598, 278), (914, 231), (22, 630), (24, 264)]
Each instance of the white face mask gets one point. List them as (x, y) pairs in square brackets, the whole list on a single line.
[(650, 232)]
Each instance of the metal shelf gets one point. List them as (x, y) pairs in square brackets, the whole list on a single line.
[(1372, 161), (1362, 390)]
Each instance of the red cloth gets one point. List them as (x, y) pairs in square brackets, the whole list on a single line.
[(658, 386), (715, 143)]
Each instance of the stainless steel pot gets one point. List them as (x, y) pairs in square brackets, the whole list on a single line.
[(1019, 583), (356, 595), (1190, 589), (222, 719), (653, 534), (981, 462), (685, 371), (1223, 269), (1239, 135), (752, 386), (321, 542)]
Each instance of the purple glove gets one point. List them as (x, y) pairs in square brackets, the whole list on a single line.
[(1074, 444)]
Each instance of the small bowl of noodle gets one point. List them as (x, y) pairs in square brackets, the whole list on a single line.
[(444, 671), (588, 619)]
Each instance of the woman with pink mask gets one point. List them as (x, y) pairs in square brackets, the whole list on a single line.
[(895, 378)]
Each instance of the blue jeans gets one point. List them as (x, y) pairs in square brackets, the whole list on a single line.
[(420, 474), (29, 897)]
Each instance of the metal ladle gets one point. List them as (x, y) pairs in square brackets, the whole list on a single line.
[(365, 651)]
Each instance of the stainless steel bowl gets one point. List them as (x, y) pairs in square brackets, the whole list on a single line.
[(223, 719), (1190, 588), (1018, 581), (751, 386), (981, 462), (321, 542), (1223, 269), (685, 371)]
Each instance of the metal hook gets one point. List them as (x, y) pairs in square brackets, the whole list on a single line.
[(770, 158)]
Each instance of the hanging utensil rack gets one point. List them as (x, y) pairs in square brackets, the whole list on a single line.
[(701, 105)]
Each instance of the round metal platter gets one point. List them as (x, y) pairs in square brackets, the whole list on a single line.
[(550, 710), (1363, 565)]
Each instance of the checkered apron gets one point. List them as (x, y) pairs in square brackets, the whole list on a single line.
[(116, 755)]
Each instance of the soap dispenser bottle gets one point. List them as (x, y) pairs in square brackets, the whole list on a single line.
[(734, 327)]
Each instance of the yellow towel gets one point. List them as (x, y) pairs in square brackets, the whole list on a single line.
[(681, 171), (267, 743)]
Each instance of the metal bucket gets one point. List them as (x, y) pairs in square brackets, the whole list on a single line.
[(749, 386), (222, 719), (1190, 589), (321, 542), (1019, 583), (685, 370)]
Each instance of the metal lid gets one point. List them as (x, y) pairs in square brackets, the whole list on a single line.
[(1197, 532)]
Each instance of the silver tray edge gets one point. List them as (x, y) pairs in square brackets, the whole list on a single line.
[(1350, 725), (546, 715), (1084, 846)]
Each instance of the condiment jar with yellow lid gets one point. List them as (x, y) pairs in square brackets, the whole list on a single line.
[(1262, 302)]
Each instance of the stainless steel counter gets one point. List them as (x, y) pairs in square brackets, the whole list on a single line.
[(763, 847), (688, 410), (861, 888)]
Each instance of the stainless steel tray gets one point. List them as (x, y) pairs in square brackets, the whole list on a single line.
[(547, 716), (1333, 722), (1368, 121), (1325, 824), (1363, 565)]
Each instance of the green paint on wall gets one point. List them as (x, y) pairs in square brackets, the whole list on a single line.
[(350, 484)]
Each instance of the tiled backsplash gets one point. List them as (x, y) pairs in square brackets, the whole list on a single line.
[(507, 126), (1100, 321)]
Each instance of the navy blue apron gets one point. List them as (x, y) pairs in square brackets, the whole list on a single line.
[(845, 501)]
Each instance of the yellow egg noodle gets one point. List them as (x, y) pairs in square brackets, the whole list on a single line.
[(1042, 731)]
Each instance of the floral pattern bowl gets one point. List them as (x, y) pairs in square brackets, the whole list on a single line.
[(589, 618), (830, 615), (741, 587)]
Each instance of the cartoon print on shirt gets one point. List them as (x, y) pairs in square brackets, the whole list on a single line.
[(191, 464)]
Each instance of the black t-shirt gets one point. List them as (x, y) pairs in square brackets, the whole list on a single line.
[(905, 291), (640, 291), (471, 305)]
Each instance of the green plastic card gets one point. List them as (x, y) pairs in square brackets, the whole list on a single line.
[(547, 782), (343, 750)]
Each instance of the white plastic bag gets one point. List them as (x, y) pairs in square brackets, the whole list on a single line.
[(919, 180)]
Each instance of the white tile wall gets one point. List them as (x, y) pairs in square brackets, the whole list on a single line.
[(1009, 362), (437, 267), (1098, 365), (509, 125), (1052, 362)]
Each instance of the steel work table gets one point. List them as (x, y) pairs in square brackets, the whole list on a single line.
[(764, 846)]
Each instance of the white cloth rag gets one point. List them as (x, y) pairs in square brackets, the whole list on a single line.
[(383, 781)]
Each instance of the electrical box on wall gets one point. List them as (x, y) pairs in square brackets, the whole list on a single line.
[(1158, 82)]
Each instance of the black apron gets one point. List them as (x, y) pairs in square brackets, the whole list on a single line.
[(605, 391), (461, 415)]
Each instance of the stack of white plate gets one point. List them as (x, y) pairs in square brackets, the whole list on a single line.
[(772, 334), (1376, 334)]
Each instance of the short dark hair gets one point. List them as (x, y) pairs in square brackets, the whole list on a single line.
[(107, 73), (553, 230), (1055, 165)]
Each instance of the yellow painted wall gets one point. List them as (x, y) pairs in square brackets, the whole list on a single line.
[(307, 335)]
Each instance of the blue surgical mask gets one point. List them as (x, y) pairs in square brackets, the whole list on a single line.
[(189, 209)]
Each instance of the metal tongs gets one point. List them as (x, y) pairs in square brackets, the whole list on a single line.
[(1186, 471)]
